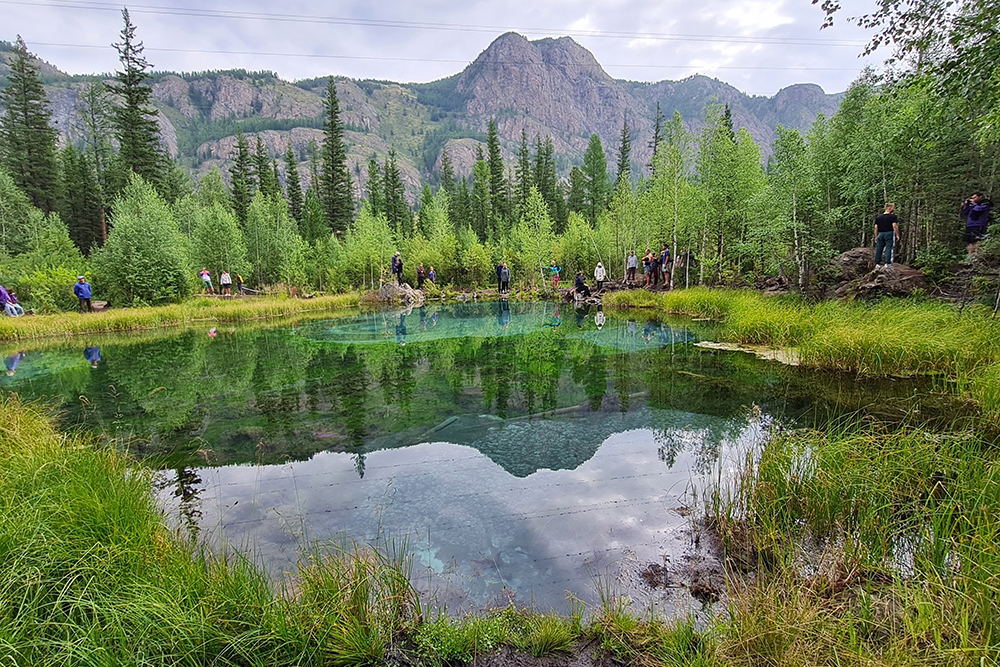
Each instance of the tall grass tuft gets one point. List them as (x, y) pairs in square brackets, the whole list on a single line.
[(877, 542)]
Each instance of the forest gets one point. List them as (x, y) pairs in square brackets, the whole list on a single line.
[(116, 208)]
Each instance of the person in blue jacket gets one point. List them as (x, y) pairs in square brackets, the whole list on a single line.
[(82, 291)]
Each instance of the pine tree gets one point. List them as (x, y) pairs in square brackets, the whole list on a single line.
[(374, 188), (595, 170), (27, 140), (97, 115), (624, 155), (654, 143), (447, 174), (335, 179), (135, 123), (240, 178), (293, 185)]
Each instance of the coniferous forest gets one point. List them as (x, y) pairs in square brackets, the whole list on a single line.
[(115, 207)]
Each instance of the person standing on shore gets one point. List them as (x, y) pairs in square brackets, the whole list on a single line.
[(665, 265), (554, 272), (432, 275), (206, 279), (600, 275), (887, 234), (421, 275), (499, 279), (631, 264), (504, 278), (976, 210), (82, 291), (397, 267), (226, 283)]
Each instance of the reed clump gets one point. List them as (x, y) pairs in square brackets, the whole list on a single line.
[(874, 545), (193, 310)]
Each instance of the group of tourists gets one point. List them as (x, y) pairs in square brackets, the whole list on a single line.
[(423, 275), (225, 282)]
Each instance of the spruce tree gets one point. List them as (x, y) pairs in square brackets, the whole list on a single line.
[(427, 205), (480, 213), (374, 188), (460, 206), (81, 209), (595, 170), (397, 211), (447, 174), (335, 179), (260, 164), (577, 200), (27, 140), (524, 175), (293, 185), (654, 143), (240, 178), (97, 116), (134, 118), (624, 154), (498, 182)]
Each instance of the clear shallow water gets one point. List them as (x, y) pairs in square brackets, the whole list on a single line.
[(521, 450)]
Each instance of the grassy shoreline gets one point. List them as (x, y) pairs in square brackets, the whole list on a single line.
[(152, 317)]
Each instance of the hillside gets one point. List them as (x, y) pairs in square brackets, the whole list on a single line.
[(547, 87)]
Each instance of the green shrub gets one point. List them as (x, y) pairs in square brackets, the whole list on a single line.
[(48, 290), (146, 258)]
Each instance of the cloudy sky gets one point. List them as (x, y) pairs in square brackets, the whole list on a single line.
[(759, 46)]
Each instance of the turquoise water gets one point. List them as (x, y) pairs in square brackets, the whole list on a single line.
[(522, 450)]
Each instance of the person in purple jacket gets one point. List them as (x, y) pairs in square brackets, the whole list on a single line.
[(976, 212)]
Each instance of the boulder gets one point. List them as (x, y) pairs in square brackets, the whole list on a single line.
[(853, 264), (395, 293), (890, 280)]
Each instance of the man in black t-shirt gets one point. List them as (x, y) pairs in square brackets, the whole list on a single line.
[(886, 234)]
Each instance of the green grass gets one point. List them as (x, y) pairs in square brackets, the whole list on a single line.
[(193, 310), (881, 548)]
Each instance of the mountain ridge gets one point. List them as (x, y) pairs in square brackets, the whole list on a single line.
[(550, 87)]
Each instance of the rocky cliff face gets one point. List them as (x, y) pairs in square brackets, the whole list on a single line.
[(548, 87)]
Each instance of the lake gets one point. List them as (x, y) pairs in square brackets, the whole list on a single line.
[(520, 451)]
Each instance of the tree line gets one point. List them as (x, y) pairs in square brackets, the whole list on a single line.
[(116, 206)]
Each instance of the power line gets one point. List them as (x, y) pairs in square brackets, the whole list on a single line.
[(440, 60), (418, 25)]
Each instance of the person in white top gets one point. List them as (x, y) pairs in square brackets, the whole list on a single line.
[(226, 283), (632, 264), (600, 275)]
